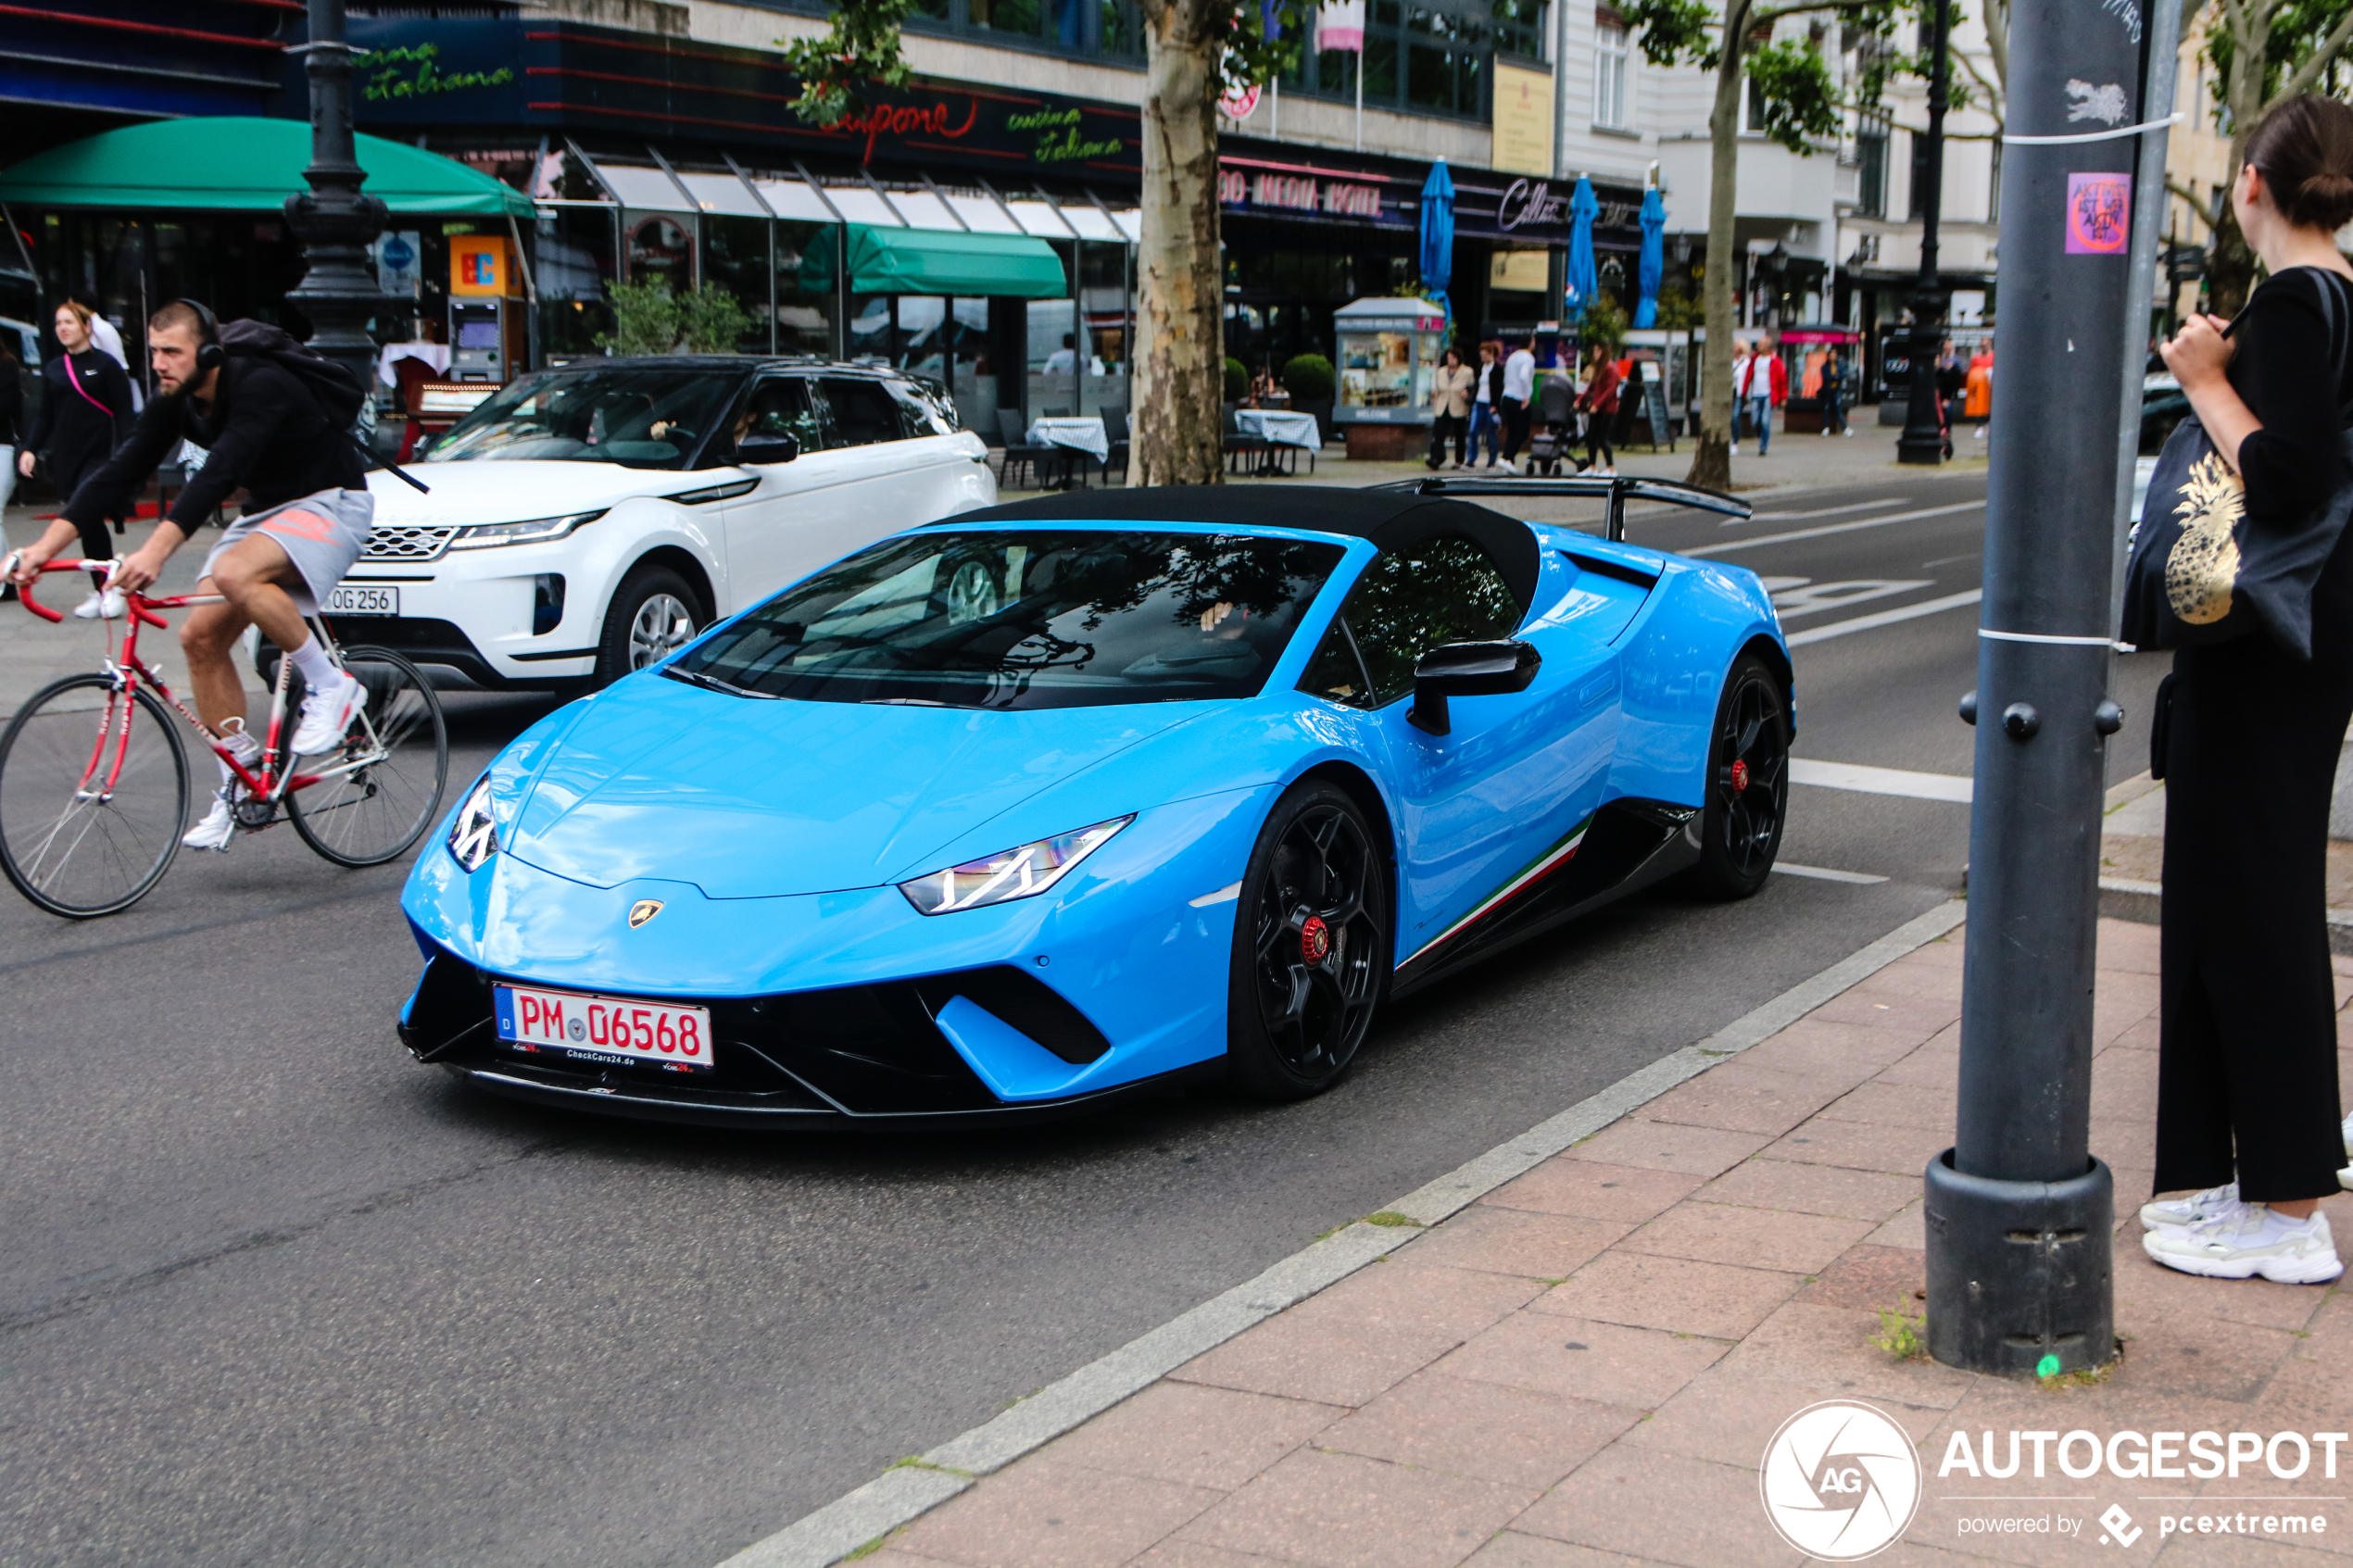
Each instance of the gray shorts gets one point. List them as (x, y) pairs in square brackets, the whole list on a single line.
[(322, 534)]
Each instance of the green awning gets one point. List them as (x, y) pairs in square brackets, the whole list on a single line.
[(940, 261), (238, 164)]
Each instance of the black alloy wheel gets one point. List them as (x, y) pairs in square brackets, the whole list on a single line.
[(1747, 782), (1311, 947)]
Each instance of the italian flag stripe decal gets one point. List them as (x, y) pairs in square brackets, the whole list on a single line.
[(1558, 855)]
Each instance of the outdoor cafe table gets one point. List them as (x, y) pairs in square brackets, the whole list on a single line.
[(1282, 428), (1083, 433)]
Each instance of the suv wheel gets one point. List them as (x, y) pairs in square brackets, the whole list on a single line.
[(654, 614)]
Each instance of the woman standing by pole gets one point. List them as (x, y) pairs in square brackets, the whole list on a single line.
[(1450, 399), (85, 411), (2247, 1058)]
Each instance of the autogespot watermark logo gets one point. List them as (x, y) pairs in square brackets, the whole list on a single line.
[(1840, 1481)]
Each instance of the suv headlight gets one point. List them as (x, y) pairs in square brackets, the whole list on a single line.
[(473, 837), (535, 532), (1015, 873)]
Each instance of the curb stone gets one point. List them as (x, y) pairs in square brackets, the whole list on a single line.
[(906, 1491)]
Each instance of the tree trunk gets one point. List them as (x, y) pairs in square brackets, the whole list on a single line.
[(1180, 339), (1712, 454)]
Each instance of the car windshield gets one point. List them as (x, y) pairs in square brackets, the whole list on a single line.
[(642, 417), (1026, 619)]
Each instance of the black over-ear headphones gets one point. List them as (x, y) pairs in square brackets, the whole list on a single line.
[(210, 356)]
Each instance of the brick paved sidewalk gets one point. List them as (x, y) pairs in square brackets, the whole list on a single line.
[(1584, 1369)]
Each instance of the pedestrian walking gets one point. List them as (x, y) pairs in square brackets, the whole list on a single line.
[(1450, 402), (2248, 736), (1754, 381), (1740, 359), (1519, 391), (1834, 393), (85, 412), (1600, 403), (1489, 387), (1977, 395)]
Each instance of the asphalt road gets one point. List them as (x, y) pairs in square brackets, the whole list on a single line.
[(271, 1293)]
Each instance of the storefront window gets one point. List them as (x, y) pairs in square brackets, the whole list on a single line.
[(1102, 291), (660, 248), (572, 261), (735, 258), (806, 254)]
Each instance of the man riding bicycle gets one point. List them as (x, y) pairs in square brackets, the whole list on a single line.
[(308, 517)]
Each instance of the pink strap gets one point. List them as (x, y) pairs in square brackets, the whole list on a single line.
[(75, 382)]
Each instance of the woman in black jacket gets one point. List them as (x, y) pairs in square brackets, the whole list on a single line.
[(85, 412), (2247, 1057)]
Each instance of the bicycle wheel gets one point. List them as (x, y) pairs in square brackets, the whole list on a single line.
[(93, 797), (377, 793)]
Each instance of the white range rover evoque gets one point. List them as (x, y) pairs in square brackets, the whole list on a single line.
[(586, 520)]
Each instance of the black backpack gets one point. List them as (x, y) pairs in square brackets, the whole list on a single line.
[(339, 397)]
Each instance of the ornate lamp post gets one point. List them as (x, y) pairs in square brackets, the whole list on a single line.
[(334, 219), (1924, 438)]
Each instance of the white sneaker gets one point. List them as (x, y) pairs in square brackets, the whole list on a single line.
[(326, 714), (1849, 432), (1505, 466), (2181, 1211), (219, 824), (106, 606), (2249, 1239), (1736, 448)]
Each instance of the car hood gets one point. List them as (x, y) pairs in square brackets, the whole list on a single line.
[(754, 798), (486, 490)]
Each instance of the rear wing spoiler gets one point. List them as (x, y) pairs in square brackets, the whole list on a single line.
[(1616, 492)]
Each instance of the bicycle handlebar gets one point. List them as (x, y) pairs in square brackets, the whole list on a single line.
[(137, 604)]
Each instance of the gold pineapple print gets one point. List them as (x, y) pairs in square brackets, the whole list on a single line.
[(2204, 565)]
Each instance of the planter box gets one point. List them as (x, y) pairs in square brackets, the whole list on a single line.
[(1386, 444)]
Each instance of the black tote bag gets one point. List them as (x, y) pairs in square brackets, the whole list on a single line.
[(2198, 572)]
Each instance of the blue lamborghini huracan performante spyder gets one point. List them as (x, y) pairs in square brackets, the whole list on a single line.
[(1013, 813)]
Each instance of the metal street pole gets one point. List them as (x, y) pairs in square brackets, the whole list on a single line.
[(2019, 1213), (1924, 437), (334, 219)]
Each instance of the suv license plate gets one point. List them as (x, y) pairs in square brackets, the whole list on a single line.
[(603, 1028), (363, 601)]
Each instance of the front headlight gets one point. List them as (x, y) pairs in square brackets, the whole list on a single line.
[(473, 837), (1015, 873), (537, 530)]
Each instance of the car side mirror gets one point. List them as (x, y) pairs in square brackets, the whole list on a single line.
[(763, 449), (1468, 670)]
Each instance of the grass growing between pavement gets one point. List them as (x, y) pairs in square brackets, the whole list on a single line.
[(1900, 1334)]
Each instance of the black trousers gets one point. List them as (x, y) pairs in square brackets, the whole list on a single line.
[(1514, 416), (1443, 426), (2247, 1056), (1597, 452), (98, 544)]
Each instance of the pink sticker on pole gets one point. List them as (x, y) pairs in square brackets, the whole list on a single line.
[(2099, 214)]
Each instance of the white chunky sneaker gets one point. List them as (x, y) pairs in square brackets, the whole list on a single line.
[(326, 714), (2249, 1239), (2179, 1211), (219, 824), (100, 606)]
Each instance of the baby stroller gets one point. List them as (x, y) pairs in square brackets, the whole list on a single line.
[(1546, 450)]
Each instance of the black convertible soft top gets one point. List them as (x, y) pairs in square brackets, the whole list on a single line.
[(1394, 522)]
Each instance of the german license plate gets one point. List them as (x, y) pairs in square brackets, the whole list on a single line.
[(604, 1029), (348, 600)]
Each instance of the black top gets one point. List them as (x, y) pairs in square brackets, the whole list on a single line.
[(74, 431), (2294, 374), (265, 433), (11, 405), (1393, 520)]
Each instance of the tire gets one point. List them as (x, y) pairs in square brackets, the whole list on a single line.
[(641, 623), (1317, 880), (372, 815), (71, 854), (1747, 782)]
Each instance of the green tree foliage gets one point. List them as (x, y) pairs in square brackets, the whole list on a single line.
[(862, 46), (1236, 380), (649, 318), (1603, 322), (1308, 378)]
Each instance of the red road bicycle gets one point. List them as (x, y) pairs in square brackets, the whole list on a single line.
[(94, 777)]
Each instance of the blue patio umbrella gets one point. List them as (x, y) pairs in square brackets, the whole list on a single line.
[(1583, 282), (1437, 235), (1653, 263)]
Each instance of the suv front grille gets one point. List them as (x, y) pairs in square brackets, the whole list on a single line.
[(407, 541)]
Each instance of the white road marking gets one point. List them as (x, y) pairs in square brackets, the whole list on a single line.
[(1823, 873), (1731, 545), (1884, 617), (1879, 780), (1826, 511), (1806, 598)]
